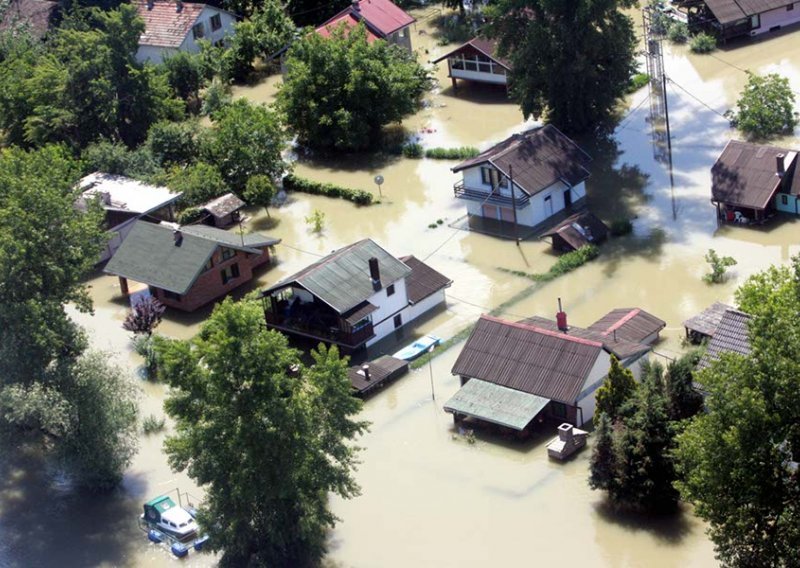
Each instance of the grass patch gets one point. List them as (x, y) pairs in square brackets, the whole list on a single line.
[(358, 196), (565, 263), (459, 153)]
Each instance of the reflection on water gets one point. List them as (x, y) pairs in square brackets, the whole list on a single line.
[(429, 499)]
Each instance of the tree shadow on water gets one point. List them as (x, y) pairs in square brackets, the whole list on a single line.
[(670, 528)]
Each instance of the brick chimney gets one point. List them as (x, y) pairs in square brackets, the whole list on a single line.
[(365, 369), (561, 319), (178, 237), (565, 432), (780, 167), (375, 273)]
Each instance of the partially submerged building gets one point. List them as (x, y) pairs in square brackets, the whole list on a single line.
[(223, 211), (382, 19), (515, 374), (703, 326), (354, 297), (188, 267), (732, 335), (735, 18), (751, 182), (577, 231), (477, 61)]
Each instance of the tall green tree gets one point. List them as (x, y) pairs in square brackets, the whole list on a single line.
[(736, 457), (765, 108), (616, 389), (571, 60), (242, 396), (340, 92), (683, 400)]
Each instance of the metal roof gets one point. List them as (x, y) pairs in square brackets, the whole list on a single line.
[(496, 404), (729, 11), (342, 279), (120, 193), (579, 230), (349, 21), (539, 158), (382, 16), (423, 280), (150, 255), (707, 321), (731, 336), (528, 358), (630, 324)]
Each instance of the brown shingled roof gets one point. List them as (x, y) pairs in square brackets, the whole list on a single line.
[(728, 11), (539, 158), (423, 280), (579, 230), (167, 23), (630, 324), (707, 321), (527, 358)]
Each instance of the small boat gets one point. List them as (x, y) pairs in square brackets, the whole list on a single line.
[(417, 348), (172, 525)]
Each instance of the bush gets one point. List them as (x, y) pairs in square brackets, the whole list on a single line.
[(190, 215), (152, 424), (412, 151), (678, 32), (460, 153), (620, 227), (173, 142), (719, 266), (565, 263), (637, 82), (358, 196), (199, 183), (703, 43), (116, 158)]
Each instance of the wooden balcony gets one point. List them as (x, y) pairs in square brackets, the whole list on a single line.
[(483, 196), (333, 335)]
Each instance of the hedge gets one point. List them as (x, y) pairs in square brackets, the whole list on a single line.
[(461, 153), (358, 196)]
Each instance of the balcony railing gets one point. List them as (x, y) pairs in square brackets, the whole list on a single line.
[(332, 334), (521, 198)]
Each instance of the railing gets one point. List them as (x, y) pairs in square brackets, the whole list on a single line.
[(328, 335), (483, 196)]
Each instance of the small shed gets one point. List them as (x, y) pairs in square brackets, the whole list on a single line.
[(731, 336), (576, 231), (224, 211), (703, 326), (375, 374)]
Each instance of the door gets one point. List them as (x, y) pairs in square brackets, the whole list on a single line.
[(489, 211), (567, 198), (507, 214), (548, 206)]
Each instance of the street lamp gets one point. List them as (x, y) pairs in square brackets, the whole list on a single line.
[(430, 368), (379, 183)]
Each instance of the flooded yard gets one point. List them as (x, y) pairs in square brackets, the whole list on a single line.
[(430, 498)]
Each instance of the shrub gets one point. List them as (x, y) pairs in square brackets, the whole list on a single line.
[(190, 215), (678, 32), (316, 221), (460, 153), (719, 265), (637, 81), (358, 196), (145, 316), (412, 151), (173, 142), (620, 227), (565, 263), (152, 424), (703, 43), (765, 108)]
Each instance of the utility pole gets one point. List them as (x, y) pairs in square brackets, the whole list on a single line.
[(430, 369)]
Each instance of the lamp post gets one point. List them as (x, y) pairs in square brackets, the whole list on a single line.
[(430, 368), (379, 183)]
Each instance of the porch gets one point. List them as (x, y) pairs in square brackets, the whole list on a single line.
[(520, 199)]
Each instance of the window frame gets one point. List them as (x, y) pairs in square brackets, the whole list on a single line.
[(229, 273), (390, 290), (198, 31), (215, 22), (398, 321), (227, 253)]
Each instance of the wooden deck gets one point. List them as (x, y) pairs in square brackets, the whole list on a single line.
[(382, 371)]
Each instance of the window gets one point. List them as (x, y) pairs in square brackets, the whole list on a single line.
[(198, 30), (784, 199), (503, 182), (209, 264), (172, 296), (486, 176), (790, 7), (216, 22), (229, 273), (398, 320), (390, 290), (755, 22), (559, 409), (228, 253)]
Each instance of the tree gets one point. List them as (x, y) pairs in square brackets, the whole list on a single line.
[(246, 140), (117, 158), (719, 265), (242, 396), (683, 401), (145, 316), (603, 462), (186, 77), (199, 182), (734, 458), (765, 108), (616, 389), (571, 60), (259, 191), (339, 92), (174, 142)]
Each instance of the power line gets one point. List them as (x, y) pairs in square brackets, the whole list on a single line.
[(715, 111)]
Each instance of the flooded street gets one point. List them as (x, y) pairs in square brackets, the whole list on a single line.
[(430, 498)]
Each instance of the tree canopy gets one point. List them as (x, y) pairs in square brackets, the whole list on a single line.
[(340, 92), (616, 389), (736, 457), (571, 60), (242, 396), (765, 108)]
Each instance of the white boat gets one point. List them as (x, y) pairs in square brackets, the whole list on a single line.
[(417, 348), (164, 515)]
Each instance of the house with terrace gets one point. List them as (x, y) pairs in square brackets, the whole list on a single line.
[(751, 182), (382, 18), (354, 297), (171, 26), (477, 61), (518, 374), (734, 18), (188, 267), (526, 181)]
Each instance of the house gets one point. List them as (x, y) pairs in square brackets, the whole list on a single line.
[(354, 297), (173, 26), (188, 267), (223, 211), (702, 327), (34, 16), (733, 18), (514, 374), (577, 231), (383, 20), (730, 336), (750, 182), (525, 179), (125, 201), (477, 61)]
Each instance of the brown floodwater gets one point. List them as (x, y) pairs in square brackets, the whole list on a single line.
[(429, 499)]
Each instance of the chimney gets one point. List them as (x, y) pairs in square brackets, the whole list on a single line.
[(149, 4), (561, 319), (565, 432), (375, 273), (780, 168), (365, 368), (178, 236), (356, 6), (178, 6)]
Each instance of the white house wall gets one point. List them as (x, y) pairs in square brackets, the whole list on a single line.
[(413, 311), (586, 398), (157, 55), (154, 54), (479, 76), (401, 37), (778, 17)]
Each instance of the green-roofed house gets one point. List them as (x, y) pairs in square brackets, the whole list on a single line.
[(354, 297), (188, 267)]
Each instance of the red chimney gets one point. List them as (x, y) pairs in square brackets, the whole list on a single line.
[(561, 318)]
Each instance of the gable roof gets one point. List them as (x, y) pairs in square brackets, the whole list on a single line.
[(579, 230), (728, 11), (167, 23), (731, 336), (381, 17), (707, 321), (745, 174), (36, 15), (342, 279), (630, 324), (349, 21), (486, 46), (423, 280), (223, 205), (120, 193), (527, 358), (150, 255), (539, 158)]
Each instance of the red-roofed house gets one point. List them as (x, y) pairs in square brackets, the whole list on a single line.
[(477, 60), (382, 18), (172, 26)]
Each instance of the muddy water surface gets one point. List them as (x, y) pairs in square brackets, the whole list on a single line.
[(429, 499)]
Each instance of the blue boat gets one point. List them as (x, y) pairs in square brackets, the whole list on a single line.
[(417, 348)]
